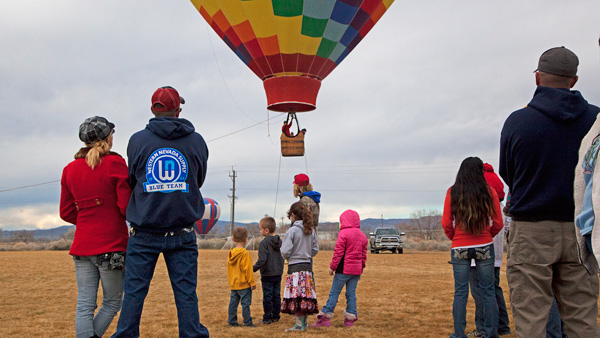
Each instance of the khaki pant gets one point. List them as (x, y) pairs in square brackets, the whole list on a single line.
[(542, 262)]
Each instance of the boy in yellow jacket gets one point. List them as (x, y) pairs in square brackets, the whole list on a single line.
[(241, 278)]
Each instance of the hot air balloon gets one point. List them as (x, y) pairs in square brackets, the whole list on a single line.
[(212, 212), (292, 45)]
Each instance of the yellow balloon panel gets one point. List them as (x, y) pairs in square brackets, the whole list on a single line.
[(233, 11), (288, 33), (260, 15)]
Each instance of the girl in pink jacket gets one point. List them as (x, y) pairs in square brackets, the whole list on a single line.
[(348, 263)]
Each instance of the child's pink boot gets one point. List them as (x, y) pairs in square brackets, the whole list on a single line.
[(323, 320), (349, 319)]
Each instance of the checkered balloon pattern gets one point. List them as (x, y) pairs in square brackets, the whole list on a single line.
[(292, 38)]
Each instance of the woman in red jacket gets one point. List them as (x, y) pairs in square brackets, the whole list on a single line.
[(348, 262), (94, 196), (470, 207)]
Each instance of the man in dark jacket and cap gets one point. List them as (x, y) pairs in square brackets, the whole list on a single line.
[(538, 154), (167, 167)]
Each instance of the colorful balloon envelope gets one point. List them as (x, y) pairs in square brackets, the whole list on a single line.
[(292, 44), (212, 212)]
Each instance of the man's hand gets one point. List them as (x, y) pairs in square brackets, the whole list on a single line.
[(253, 287)]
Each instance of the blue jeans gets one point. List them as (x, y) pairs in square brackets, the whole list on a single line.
[(89, 273), (461, 264), (271, 299), (339, 280), (503, 321), (245, 296), (181, 256), (554, 327)]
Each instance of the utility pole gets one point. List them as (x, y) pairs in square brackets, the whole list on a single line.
[(382, 220), (233, 198)]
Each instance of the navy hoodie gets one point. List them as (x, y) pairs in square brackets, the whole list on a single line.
[(539, 148), (167, 166)]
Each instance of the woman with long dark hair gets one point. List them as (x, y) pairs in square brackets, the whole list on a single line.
[(471, 218), (94, 196)]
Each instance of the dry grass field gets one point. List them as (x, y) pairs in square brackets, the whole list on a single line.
[(406, 295)]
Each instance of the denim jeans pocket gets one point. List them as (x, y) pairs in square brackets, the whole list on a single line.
[(188, 239), (459, 255), (484, 253)]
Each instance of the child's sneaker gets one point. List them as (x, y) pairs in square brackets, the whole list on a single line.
[(475, 333), (349, 319)]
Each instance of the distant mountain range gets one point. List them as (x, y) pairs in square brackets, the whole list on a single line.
[(53, 233), (221, 226)]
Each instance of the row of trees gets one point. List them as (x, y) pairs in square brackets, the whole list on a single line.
[(425, 224)]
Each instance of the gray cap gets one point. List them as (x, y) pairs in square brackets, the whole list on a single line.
[(558, 61), (95, 129)]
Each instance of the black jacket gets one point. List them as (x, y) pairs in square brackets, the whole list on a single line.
[(539, 148), (270, 261)]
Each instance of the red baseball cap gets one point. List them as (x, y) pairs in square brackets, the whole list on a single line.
[(301, 179), (168, 97)]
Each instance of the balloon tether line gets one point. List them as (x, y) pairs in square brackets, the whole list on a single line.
[(305, 162), (277, 191), (223, 78)]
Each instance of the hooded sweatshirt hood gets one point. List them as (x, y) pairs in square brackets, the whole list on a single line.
[(559, 103), (315, 195), (170, 128), (349, 219), (274, 242), (235, 255), (493, 180)]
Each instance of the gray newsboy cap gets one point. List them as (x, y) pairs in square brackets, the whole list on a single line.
[(95, 129)]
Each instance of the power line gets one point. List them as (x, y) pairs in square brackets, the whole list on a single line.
[(240, 130), (29, 186)]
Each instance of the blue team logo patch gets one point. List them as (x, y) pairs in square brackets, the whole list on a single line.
[(166, 171)]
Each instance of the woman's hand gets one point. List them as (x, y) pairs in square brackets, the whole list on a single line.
[(330, 272)]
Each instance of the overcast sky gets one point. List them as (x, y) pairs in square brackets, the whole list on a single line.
[(431, 84)]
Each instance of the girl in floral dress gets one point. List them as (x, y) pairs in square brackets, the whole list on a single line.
[(300, 244)]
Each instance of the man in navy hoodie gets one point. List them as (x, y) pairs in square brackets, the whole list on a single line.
[(538, 154), (167, 167)]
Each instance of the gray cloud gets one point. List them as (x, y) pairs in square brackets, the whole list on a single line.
[(431, 84)]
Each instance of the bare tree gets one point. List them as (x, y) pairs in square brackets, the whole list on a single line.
[(69, 235), (23, 236), (427, 221), (253, 229)]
